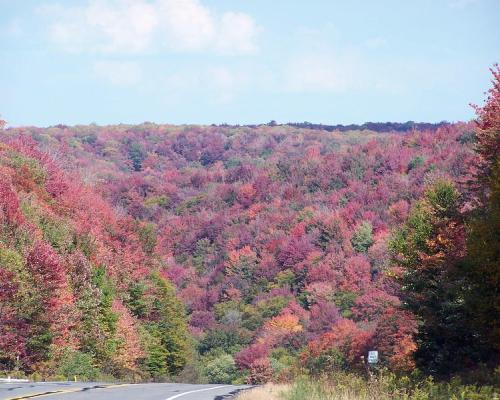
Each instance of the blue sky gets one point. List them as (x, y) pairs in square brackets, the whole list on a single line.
[(244, 61)]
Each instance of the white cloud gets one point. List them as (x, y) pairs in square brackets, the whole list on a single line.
[(119, 73), (321, 73), (324, 62), (220, 83), (188, 24), (127, 26), (226, 83), (103, 26), (237, 34)]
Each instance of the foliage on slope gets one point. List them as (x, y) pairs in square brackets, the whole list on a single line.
[(276, 237), (79, 293)]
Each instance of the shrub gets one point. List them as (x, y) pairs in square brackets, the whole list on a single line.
[(260, 372), (221, 369), (75, 363), (226, 339), (147, 236), (246, 357), (328, 361)]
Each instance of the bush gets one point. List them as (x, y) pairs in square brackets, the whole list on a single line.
[(193, 372), (260, 372), (227, 339), (221, 369), (327, 361), (75, 363)]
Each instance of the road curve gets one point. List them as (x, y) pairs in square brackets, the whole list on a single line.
[(106, 391)]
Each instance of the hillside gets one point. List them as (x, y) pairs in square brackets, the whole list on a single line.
[(275, 237), (68, 266)]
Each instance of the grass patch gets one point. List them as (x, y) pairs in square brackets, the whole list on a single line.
[(269, 391), (386, 386), (344, 386)]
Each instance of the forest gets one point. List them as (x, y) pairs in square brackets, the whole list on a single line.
[(231, 254)]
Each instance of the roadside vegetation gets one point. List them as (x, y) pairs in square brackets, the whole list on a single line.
[(383, 386)]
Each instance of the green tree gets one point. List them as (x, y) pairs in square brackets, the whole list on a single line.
[(482, 268), (148, 237), (363, 237), (137, 302), (230, 340), (171, 325), (136, 155), (155, 361), (75, 363), (221, 369), (430, 249)]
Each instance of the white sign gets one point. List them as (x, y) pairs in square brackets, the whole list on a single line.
[(373, 357)]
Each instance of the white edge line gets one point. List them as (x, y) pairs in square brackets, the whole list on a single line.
[(195, 391)]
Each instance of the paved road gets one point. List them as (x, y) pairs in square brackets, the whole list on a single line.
[(104, 391)]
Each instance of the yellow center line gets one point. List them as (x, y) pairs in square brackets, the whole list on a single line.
[(63, 391), (43, 394), (117, 385)]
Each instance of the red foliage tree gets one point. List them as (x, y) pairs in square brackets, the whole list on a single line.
[(260, 372), (346, 337), (129, 349), (9, 203), (248, 356), (488, 125), (13, 330), (322, 317), (394, 340)]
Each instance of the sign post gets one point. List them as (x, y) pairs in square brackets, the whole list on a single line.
[(372, 357), (372, 361)]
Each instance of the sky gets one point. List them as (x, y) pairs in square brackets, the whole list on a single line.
[(244, 61)]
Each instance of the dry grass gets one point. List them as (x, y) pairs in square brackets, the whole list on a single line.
[(269, 391), (342, 386)]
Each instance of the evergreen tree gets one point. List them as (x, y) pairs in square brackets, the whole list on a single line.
[(429, 249), (451, 259), (483, 263), (170, 325)]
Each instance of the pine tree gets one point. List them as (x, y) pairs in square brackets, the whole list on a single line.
[(483, 263), (429, 249), (171, 325)]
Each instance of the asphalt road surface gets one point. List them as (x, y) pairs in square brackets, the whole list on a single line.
[(106, 391)]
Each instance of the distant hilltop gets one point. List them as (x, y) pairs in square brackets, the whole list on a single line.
[(380, 127), (371, 126)]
